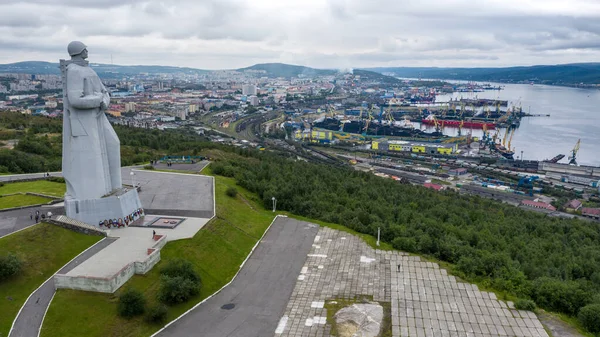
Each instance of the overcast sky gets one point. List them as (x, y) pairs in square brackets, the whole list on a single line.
[(224, 34)]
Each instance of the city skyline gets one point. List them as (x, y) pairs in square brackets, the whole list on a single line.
[(331, 34)]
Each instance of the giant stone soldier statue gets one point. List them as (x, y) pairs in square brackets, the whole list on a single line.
[(91, 155)]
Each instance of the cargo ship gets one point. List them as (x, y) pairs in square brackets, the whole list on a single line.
[(374, 128), (556, 159), (456, 123)]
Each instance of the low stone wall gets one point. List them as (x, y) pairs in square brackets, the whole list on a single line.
[(142, 267), (111, 284), (97, 284), (87, 230)]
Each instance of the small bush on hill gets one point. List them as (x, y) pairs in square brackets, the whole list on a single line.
[(525, 305), (231, 192), (179, 282), (174, 290), (131, 303), (148, 167), (589, 316), (9, 266), (157, 314), (181, 268)]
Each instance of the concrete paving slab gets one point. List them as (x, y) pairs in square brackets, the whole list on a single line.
[(425, 301), (131, 246)]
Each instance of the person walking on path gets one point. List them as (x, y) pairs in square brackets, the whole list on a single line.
[(30, 215), (37, 218), (49, 215)]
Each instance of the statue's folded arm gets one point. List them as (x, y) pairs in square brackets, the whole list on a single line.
[(76, 94), (78, 101)]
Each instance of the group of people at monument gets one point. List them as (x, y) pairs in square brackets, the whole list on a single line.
[(122, 222), (40, 216)]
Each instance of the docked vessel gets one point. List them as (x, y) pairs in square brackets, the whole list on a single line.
[(430, 120), (556, 159)]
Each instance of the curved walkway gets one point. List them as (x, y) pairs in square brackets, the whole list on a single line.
[(29, 319), (253, 303)]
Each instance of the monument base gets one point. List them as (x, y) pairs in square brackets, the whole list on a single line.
[(93, 211)]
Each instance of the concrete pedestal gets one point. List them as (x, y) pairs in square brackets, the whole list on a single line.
[(92, 211)]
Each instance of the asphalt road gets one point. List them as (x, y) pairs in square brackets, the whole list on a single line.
[(28, 176), (12, 221), (29, 320), (255, 301)]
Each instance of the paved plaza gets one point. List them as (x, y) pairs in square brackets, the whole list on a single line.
[(173, 194), (192, 194), (425, 301)]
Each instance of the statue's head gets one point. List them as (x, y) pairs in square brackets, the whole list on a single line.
[(77, 49)]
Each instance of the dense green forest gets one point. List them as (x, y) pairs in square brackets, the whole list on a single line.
[(34, 144), (555, 262)]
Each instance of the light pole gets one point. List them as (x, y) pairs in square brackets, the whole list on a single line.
[(274, 203), (521, 155), (132, 174)]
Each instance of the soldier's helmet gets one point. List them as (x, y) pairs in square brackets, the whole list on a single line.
[(76, 48)]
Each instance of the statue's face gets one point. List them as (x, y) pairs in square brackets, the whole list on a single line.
[(84, 54)]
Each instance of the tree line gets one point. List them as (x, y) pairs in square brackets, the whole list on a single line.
[(34, 143)]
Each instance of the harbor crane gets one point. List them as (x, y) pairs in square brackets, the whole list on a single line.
[(510, 140), (369, 118), (573, 156)]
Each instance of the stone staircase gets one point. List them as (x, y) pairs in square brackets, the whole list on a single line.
[(76, 225)]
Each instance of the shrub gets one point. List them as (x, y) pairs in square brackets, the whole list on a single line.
[(522, 304), (589, 316), (181, 268), (9, 266), (148, 167), (231, 192), (131, 303), (157, 314), (562, 296), (56, 179), (174, 290)]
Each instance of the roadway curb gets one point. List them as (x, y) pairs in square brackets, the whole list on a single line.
[(22, 229), (38, 288), (225, 286)]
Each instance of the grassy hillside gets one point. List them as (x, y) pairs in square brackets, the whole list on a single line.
[(43, 250), (567, 74), (216, 252), (288, 70)]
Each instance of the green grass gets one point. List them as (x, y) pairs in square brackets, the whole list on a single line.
[(440, 182), (18, 200), (43, 249), (216, 251), (39, 186)]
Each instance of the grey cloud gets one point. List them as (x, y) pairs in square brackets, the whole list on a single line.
[(76, 3), (340, 33)]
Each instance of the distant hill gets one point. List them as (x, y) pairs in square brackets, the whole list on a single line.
[(564, 74), (288, 70), (367, 75), (103, 70)]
